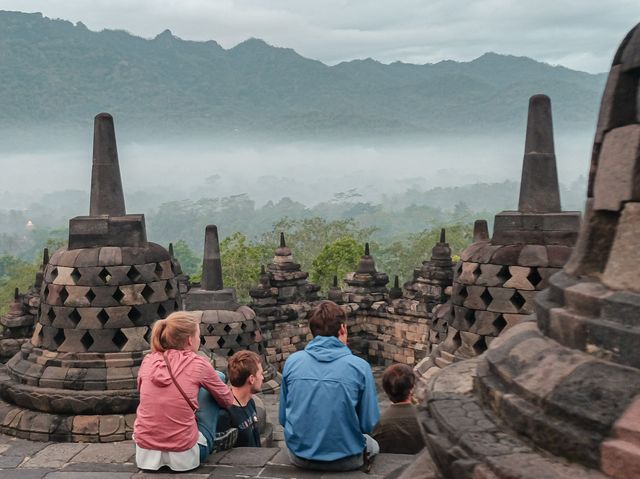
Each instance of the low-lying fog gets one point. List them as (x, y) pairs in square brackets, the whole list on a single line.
[(304, 171)]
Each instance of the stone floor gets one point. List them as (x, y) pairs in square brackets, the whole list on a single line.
[(23, 459)]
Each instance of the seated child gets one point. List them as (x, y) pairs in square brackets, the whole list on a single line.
[(398, 431), (244, 369)]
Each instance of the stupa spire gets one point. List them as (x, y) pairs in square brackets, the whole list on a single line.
[(539, 190), (211, 264), (480, 231), (107, 197)]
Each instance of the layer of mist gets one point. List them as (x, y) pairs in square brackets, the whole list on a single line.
[(306, 172)]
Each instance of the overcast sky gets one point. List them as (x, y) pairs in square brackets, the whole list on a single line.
[(578, 34)]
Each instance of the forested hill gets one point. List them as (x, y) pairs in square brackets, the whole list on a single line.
[(57, 73)]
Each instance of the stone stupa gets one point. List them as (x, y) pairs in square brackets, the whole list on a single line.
[(498, 278), (226, 327), (76, 379)]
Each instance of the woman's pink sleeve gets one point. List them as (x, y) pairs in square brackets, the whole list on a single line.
[(212, 383)]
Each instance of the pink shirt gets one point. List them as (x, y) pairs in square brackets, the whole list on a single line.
[(164, 420)]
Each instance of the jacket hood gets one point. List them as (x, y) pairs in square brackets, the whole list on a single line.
[(326, 349), (179, 360)]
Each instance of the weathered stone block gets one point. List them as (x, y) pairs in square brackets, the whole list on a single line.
[(533, 255), (622, 268), (490, 275), (617, 177)]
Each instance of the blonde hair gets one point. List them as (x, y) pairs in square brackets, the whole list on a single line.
[(173, 332)]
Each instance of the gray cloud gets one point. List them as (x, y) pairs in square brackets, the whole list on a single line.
[(581, 35)]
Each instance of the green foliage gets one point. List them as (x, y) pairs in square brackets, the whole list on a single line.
[(241, 261), (308, 236), (336, 258), (190, 262), (402, 256), (15, 273)]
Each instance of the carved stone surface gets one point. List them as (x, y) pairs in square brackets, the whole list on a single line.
[(568, 378)]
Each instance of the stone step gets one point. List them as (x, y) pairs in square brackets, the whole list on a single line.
[(447, 356), (627, 428), (621, 459), (441, 362)]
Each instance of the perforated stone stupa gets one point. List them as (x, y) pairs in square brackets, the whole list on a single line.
[(18, 323), (281, 300), (434, 276), (566, 381), (366, 285), (497, 280), (76, 378), (226, 327)]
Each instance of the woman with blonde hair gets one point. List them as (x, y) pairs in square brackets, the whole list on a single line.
[(176, 419)]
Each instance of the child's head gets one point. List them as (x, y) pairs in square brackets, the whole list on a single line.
[(398, 381), (179, 331), (245, 367)]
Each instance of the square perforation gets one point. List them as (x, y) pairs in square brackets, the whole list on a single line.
[(75, 317), (75, 275), (105, 276), (87, 340), (534, 277), (133, 274), (134, 314), (103, 317), (119, 339), (59, 337), (517, 300), (147, 293), (63, 295), (486, 297), (117, 295), (90, 295)]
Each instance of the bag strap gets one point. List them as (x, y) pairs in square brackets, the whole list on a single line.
[(195, 409)]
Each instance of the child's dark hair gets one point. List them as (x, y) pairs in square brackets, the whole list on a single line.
[(398, 381)]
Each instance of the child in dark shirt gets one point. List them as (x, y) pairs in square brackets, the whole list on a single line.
[(246, 376), (398, 431)]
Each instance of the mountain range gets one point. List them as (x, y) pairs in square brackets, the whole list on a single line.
[(58, 73)]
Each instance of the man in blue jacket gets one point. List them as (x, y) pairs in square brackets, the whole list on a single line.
[(328, 399)]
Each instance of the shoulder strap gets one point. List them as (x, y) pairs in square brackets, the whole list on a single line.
[(166, 361)]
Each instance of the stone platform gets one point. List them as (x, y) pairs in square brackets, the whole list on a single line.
[(24, 459), (45, 460)]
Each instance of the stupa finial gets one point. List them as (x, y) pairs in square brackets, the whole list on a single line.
[(539, 190), (107, 197), (211, 264), (480, 231)]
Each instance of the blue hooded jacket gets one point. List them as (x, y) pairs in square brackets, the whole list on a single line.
[(327, 401)]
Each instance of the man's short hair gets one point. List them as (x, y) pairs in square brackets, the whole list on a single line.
[(398, 381), (326, 318), (242, 365)]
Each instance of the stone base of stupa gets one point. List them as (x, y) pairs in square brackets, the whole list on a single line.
[(487, 417)]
